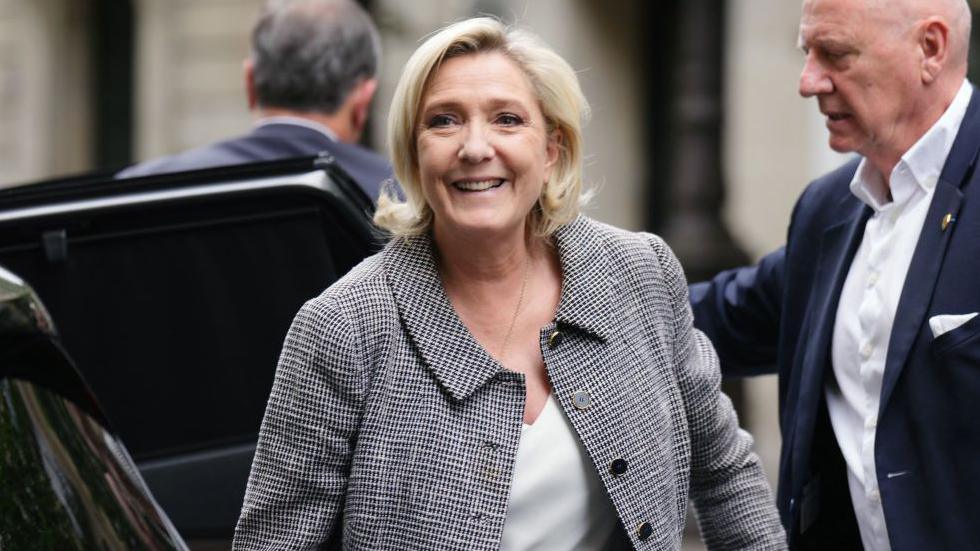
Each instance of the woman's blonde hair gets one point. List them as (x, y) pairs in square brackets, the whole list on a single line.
[(561, 100)]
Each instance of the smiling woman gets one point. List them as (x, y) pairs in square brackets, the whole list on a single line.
[(506, 373), (483, 146)]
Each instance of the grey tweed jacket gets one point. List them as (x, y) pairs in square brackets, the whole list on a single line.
[(389, 427)]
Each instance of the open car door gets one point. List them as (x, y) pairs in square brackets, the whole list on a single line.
[(173, 294)]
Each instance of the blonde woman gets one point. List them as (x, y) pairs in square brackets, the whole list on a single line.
[(506, 373)]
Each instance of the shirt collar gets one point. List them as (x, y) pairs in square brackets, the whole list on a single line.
[(298, 121), (920, 166)]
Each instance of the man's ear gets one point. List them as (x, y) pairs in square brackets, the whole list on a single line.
[(248, 73), (934, 47), (361, 98)]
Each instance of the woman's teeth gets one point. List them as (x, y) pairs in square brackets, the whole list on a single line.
[(478, 186)]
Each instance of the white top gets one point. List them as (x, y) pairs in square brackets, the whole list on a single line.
[(557, 501), (868, 303)]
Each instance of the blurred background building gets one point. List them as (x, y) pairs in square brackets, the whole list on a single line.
[(697, 129)]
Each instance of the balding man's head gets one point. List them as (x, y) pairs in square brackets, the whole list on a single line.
[(961, 19), (955, 14), (883, 71)]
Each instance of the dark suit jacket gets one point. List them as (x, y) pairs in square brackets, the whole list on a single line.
[(273, 142), (779, 315)]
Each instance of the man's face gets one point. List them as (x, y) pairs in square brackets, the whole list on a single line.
[(861, 66)]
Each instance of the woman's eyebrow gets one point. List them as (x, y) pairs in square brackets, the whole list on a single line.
[(491, 103)]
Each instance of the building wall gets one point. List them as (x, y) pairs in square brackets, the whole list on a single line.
[(44, 86), (189, 81), (775, 140)]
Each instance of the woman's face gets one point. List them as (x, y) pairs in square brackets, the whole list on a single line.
[(483, 147)]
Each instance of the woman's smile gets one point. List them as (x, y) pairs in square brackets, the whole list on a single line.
[(480, 185), (484, 154)]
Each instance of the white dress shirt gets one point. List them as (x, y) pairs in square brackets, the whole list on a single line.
[(556, 498), (868, 302)]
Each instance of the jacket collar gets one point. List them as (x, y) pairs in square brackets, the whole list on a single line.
[(587, 280), (301, 122), (444, 343)]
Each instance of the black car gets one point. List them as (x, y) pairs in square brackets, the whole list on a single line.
[(66, 481), (173, 295)]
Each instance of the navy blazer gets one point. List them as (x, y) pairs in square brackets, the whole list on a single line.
[(779, 316), (272, 142)]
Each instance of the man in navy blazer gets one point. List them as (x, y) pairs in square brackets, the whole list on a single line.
[(868, 313), (309, 81)]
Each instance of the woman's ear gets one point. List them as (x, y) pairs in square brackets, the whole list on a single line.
[(555, 142), (552, 154)]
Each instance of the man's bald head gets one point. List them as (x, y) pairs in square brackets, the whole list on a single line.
[(883, 71), (961, 21), (955, 13)]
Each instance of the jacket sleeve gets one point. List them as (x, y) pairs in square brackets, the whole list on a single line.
[(734, 504), (739, 310), (295, 492)]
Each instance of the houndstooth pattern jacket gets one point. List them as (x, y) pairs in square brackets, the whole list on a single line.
[(389, 427)]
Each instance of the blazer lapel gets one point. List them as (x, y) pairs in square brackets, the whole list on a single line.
[(446, 346), (840, 243), (587, 281), (930, 251)]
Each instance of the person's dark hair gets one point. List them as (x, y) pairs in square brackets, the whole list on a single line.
[(309, 54)]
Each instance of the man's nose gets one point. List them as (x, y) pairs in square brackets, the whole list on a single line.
[(814, 79), (476, 146)]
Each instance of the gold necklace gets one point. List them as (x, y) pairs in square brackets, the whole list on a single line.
[(517, 310)]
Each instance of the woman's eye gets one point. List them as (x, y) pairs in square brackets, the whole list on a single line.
[(509, 119), (441, 121)]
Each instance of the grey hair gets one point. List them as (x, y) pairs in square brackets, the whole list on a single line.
[(309, 54)]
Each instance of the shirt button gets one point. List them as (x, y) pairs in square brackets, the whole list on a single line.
[(644, 531), (581, 400), (872, 279), (874, 495), (618, 467), (871, 422), (866, 351), (554, 339)]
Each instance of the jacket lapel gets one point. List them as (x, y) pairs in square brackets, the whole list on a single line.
[(445, 345), (931, 249), (837, 248), (587, 282)]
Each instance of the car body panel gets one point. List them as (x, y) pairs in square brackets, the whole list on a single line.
[(66, 482)]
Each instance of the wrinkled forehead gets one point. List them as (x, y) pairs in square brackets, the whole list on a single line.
[(846, 19)]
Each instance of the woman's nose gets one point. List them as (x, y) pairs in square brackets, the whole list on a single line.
[(475, 146)]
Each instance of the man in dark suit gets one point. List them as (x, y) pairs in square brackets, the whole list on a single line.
[(868, 314), (309, 81)]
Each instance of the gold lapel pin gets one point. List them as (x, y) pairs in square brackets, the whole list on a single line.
[(947, 220)]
